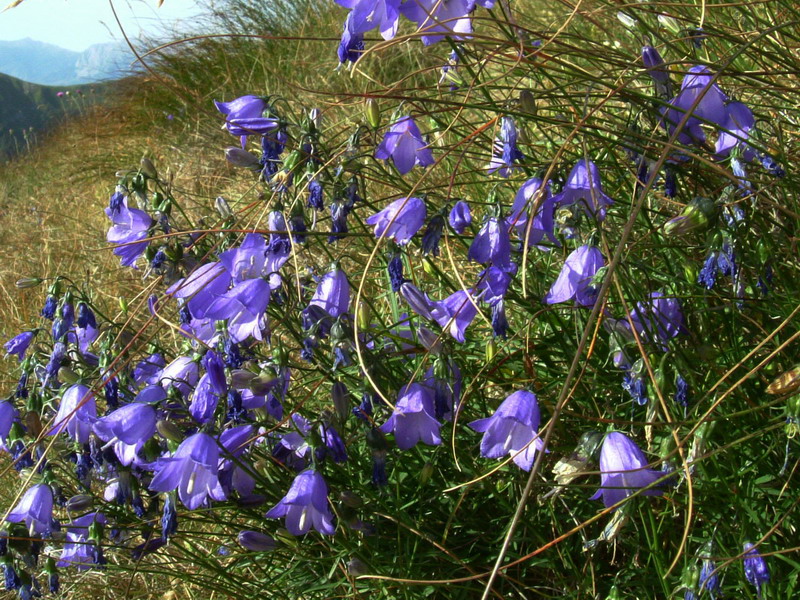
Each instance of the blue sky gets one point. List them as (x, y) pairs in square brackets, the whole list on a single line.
[(77, 24)]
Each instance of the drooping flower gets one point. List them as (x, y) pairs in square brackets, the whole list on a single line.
[(623, 470), (721, 261), (76, 413), (543, 222), (81, 550), (576, 279), (455, 313), (35, 509), (204, 285), (755, 567), (709, 580), (305, 505), (512, 430), (504, 150), (436, 19), (245, 116), (736, 128), (352, 44), (657, 320), (193, 470), (460, 217), (400, 220), (256, 541), (403, 143), (18, 345), (333, 292), (366, 15), (413, 418), (492, 245), (708, 100), (129, 227), (584, 188), (182, 373), (660, 74), (243, 306), (127, 429)]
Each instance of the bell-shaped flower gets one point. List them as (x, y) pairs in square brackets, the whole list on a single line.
[(413, 418), (200, 288), (255, 541), (252, 259), (305, 505), (455, 313), (193, 470), (127, 429), (736, 131), (8, 416), (623, 470), (460, 217), (584, 188), (658, 320), (76, 413), (129, 227), (576, 280), (35, 509), (403, 143), (80, 550), (352, 44), (243, 307), (543, 224), (366, 15), (182, 373), (148, 369), (504, 150), (655, 65), (701, 99), (245, 116), (436, 19), (18, 345), (333, 293), (492, 245), (512, 429), (755, 567), (400, 220)]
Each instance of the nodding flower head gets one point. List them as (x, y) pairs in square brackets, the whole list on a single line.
[(623, 470), (585, 189), (413, 418), (35, 509), (400, 220), (576, 279), (305, 505), (505, 152), (403, 143)]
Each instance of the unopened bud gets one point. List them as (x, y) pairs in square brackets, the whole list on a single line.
[(357, 567), (256, 542), (430, 340), (241, 378), (239, 157), (147, 168), (79, 503), (787, 383), (426, 473), (223, 208), (491, 350), (697, 215), (350, 499), (28, 282), (527, 102), (372, 112), (341, 400), (32, 421), (169, 431), (67, 375)]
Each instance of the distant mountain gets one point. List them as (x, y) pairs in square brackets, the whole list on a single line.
[(46, 64), (28, 110)]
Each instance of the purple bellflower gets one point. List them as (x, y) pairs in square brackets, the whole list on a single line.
[(755, 567), (403, 143), (460, 217), (413, 418), (492, 245), (81, 550), (35, 509), (245, 116), (400, 220), (243, 306), (76, 414), (193, 470), (512, 429), (255, 541), (436, 19), (202, 287), (737, 126), (333, 293), (352, 44), (366, 15), (305, 505), (543, 223), (182, 373), (709, 105), (455, 313), (504, 150), (576, 278), (129, 227), (623, 470), (584, 188), (658, 320), (18, 345), (127, 429)]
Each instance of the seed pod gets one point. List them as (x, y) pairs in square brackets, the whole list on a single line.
[(787, 383), (372, 112)]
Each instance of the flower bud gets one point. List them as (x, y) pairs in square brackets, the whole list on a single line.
[(372, 112), (357, 567), (223, 208), (527, 102), (430, 340), (169, 431), (491, 350), (670, 23), (79, 503), (256, 542), (241, 158), (147, 167), (697, 215), (67, 375), (28, 282), (654, 64), (426, 473), (241, 378), (341, 400), (351, 499), (787, 383)]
